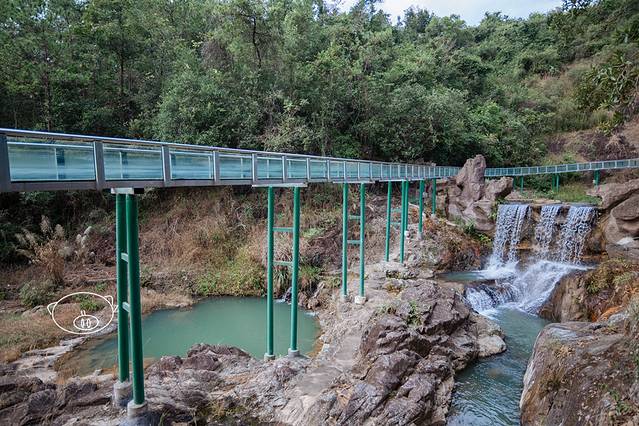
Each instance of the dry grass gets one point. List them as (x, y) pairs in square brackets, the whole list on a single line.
[(19, 334)]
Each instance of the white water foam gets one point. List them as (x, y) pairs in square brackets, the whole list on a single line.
[(510, 222), (574, 232), (545, 229), (528, 287)]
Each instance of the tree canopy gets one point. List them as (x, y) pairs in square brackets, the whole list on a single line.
[(300, 76)]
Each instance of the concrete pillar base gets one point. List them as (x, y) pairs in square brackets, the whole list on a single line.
[(121, 394), (138, 414), (293, 353), (344, 298), (420, 236), (268, 357), (360, 300)]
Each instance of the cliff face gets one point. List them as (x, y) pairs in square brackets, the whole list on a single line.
[(583, 373), (587, 372)]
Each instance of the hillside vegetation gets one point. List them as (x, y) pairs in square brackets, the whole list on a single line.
[(301, 76)]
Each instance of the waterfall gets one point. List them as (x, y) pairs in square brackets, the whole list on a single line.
[(510, 222), (546, 228), (528, 287), (574, 233)]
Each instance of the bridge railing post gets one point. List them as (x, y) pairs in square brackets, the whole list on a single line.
[(404, 220), (122, 389), (344, 294), (433, 201), (5, 174), (361, 299), (138, 404)]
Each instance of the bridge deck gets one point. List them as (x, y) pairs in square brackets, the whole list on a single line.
[(52, 161), (37, 161)]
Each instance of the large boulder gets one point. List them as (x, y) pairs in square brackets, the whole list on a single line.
[(566, 300), (471, 199), (471, 178), (582, 374), (612, 194), (498, 188)]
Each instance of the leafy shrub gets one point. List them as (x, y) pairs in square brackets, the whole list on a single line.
[(88, 303), (35, 293)]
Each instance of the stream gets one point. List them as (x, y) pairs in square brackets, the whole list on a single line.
[(511, 292)]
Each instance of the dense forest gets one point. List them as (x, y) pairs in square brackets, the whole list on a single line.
[(301, 76)]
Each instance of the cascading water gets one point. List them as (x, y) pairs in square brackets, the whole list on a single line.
[(527, 288), (574, 233), (545, 229), (488, 393), (510, 222)]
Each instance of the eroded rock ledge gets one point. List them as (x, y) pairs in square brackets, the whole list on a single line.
[(391, 361)]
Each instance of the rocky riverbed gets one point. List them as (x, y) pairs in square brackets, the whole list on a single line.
[(390, 361)]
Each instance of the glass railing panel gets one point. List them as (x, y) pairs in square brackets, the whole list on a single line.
[(365, 171), (296, 169), (318, 169), (351, 170), (269, 168), (377, 171), (233, 166), (37, 160), (191, 165), (132, 162), (337, 170)]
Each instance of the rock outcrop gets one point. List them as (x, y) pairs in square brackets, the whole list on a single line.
[(390, 361), (566, 302), (594, 294), (471, 199), (620, 224), (583, 374)]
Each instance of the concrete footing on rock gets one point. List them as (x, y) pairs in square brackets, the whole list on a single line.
[(344, 298), (268, 357), (121, 394), (138, 414), (293, 353), (360, 300)]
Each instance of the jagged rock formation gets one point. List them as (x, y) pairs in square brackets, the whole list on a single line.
[(472, 199), (391, 361), (620, 224), (583, 374)]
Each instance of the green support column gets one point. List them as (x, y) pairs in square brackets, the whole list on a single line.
[(404, 219), (388, 221), (345, 241), (596, 180), (122, 296), (557, 183), (122, 388), (270, 224), (421, 208), (135, 308), (521, 184), (362, 228), (293, 351), (433, 201)]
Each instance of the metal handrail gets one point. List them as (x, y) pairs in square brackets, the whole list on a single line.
[(242, 166)]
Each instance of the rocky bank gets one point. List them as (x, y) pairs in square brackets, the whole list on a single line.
[(390, 361)]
